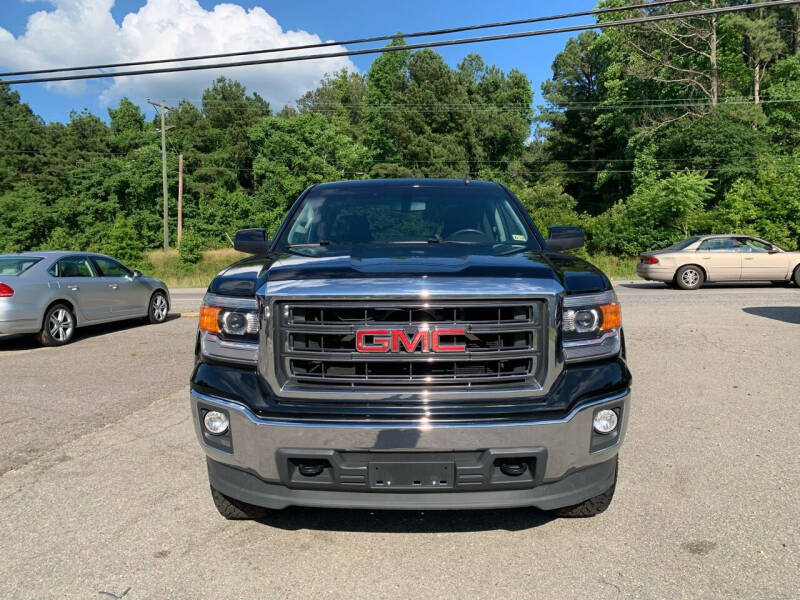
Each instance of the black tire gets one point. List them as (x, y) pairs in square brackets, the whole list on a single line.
[(593, 506), (690, 277), (236, 510), (158, 308), (58, 326), (796, 276)]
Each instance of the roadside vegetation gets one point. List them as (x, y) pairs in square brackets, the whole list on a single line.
[(169, 267), (644, 135)]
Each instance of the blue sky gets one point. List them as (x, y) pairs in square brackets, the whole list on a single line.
[(81, 31)]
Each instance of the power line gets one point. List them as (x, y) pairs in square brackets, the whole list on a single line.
[(434, 44), (364, 40)]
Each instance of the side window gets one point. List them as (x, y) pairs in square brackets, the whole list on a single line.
[(72, 266), (751, 245), (719, 245), (111, 268)]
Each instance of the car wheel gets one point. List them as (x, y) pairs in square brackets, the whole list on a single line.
[(58, 327), (158, 309), (796, 276), (591, 507), (236, 510), (689, 277)]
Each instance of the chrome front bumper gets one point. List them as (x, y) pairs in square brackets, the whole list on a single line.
[(256, 441)]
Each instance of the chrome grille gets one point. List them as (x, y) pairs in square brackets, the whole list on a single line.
[(503, 343)]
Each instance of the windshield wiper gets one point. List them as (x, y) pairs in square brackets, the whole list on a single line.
[(310, 244)]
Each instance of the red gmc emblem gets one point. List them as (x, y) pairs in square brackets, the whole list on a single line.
[(392, 340)]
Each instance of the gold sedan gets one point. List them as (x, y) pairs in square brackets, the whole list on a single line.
[(692, 262)]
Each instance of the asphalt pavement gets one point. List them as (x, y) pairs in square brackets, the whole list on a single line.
[(103, 490)]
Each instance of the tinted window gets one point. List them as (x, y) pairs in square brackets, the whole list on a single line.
[(407, 214), (17, 265), (751, 245), (683, 244), (111, 268), (719, 245), (72, 266)]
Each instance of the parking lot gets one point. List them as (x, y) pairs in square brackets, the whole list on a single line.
[(103, 489)]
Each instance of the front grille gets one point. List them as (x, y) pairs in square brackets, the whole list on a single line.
[(502, 345)]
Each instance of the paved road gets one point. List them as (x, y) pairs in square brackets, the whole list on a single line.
[(103, 491)]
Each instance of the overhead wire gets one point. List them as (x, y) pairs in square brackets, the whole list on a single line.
[(407, 47), (433, 32)]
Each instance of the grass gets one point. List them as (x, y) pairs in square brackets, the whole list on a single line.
[(616, 267), (167, 266)]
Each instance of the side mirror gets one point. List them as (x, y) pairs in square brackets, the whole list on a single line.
[(565, 237), (136, 273), (251, 241)]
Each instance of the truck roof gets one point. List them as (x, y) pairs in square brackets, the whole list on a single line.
[(422, 182)]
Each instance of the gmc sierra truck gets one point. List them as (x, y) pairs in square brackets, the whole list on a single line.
[(410, 344)]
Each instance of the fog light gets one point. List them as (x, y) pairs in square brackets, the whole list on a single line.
[(605, 421), (216, 423)]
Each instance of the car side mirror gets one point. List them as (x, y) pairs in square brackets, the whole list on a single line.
[(251, 241), (137, 273), (565, 237)]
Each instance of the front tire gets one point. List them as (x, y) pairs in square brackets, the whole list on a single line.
[(236, 510), (796, 276), (158, 309), (58, 327), (593, 506), (689, 277)]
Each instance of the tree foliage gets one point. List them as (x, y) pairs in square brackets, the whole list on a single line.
[(646, 134)]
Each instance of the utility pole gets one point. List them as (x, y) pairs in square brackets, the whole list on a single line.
[(163, 109), (180, 199)]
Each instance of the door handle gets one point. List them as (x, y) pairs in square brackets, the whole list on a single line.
[(74, 288), (748, 258), (706, 258), (113, 286)]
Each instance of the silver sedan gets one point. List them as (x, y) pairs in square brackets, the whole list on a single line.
[(53, 293)]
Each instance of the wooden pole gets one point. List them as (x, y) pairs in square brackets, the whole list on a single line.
[(180, 198)]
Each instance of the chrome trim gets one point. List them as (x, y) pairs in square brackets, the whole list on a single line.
[(581, 300), (257, 440), (414, 289), (212, 346), (422, 423), (582, 350), (229, 301)]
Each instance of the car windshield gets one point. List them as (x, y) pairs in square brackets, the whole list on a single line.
[(407, 214), (683, 244), (15, 265)]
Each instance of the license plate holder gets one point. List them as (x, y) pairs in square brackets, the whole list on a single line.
[(421, 475)]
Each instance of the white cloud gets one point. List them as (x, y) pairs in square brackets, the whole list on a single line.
[(78, 32)]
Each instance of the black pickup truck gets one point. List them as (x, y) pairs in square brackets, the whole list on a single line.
[(410, 344)]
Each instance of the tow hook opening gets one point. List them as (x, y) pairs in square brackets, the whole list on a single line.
[(311, 468), (513, 467)]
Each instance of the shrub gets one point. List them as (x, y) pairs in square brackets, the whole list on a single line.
[(191, 248)]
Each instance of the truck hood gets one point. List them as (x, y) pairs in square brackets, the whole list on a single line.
[(402, 261)]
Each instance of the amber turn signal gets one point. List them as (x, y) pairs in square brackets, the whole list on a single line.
[(612, 316), (209, 318)]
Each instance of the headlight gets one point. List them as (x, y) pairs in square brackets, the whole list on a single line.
[(229, 328), (591, 326)]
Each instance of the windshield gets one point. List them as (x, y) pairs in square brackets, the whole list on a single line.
[(407, 214), (14, 265)]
